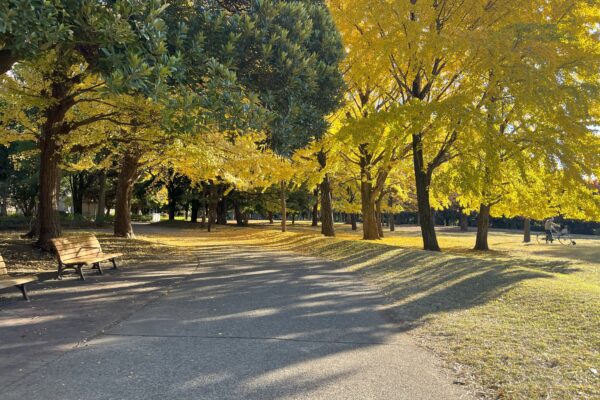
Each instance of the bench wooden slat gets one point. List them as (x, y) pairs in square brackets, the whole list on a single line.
[(77, 251), (94, 258), (70, 248), (3, 270), (18, 281)]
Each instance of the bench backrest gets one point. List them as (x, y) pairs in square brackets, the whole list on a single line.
[(69, 248), (3, 270)]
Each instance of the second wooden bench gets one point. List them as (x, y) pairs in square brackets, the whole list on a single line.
[(18, 281), (78, 251)]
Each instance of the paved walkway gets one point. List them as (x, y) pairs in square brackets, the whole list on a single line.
[(235, 323)]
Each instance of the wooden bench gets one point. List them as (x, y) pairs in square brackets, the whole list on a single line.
[(78, 251), (19, 282)]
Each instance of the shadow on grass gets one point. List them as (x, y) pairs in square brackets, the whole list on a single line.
[(242, 291), (421, 283)]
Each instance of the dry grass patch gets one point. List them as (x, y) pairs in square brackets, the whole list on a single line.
[(521, 322), (22, 257)]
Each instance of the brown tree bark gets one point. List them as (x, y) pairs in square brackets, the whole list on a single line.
[(327, 226), (195, 207), (270, 217), (171, 201), (204, 205), (80, 181), (3, 206), (353, 221), (464, 221), (283, 208), (212, 216), (222, 209), (483, 223), (213, 202), (391, 216), (48, 222), (127, 177), (527, 230), (237, 213), (379, 217), (370, 230), (315, 209), (101, 198), (423, 181)]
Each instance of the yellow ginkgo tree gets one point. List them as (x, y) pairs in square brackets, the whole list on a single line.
[(431, 61)]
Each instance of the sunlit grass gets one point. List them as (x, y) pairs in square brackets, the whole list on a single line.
[(520, 322)]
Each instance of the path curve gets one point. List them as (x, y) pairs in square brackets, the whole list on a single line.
[(246, 323)]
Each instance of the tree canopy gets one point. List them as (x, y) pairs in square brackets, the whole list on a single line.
[(364, 108)]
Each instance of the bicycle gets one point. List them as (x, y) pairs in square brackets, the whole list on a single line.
[(563, 236)]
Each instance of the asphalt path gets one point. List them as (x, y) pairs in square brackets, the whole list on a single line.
[(232, 323)]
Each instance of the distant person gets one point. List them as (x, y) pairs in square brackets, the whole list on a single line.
[(549, 226)]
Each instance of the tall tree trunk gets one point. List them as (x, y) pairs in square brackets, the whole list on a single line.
[(171, 202), (315, 209), (391, 216), (327, 227), (353, 221), (379, 217), (212, 215), (204, 205), (370, 229), (527, 230), (53, 127), (3, 206), (422, 181), (483, 223), (464, 221), (237, 213), (48, 222), (222, 210), (283, 208), (78, 186), (127, 177), (213, 202), (195, 208), (101, 198)]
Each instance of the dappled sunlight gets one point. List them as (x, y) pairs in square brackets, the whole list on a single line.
[(489, 311), (494, 313)]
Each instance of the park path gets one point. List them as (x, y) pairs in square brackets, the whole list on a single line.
[(234, 323)]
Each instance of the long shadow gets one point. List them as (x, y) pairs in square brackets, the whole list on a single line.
[(244, 324), (64, 313)]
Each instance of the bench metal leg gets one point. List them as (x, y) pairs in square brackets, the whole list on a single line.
[(60, 271), (97, 266), (114, 263), (80, 272), (23, 290)]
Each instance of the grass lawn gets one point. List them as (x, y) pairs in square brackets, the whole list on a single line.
[(519, 322)]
